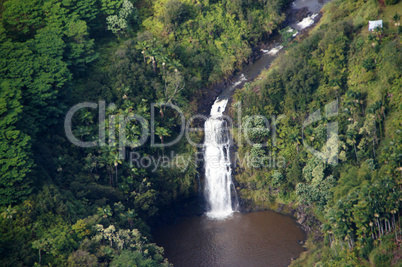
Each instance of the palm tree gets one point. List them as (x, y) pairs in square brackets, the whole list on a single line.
[(162, 132), (143, 46), (396, 19), (351, 137), (175, 64), (116, 161), (379, 32), (130, 216), (164, 60), (295, 138)]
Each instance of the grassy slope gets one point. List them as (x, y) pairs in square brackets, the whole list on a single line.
[(389, 11)]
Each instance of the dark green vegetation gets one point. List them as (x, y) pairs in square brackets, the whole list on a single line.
[(391, 2), (65, 205), (356, 203)]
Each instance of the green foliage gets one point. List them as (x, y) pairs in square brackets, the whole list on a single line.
[(368, 64), (356, 198), (134, 258), (287, 34), (134, 248), (82, 258), (58, 242), (22, 18), (39, 54), (15, 159), (257, 155), (391, 2), (111, 7), (277, 178), (256, 129), (318, 192), (176, 12), (72, 206), (120, 23), (210, 39), (294, 173)]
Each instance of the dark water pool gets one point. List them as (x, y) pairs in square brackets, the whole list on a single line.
[(254, 239)]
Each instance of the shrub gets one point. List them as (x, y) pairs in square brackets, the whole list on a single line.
[(176, 12), (391, 2), (369, 64), (380, 259)]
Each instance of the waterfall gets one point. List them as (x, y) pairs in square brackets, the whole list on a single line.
[(306, 22), (218, 172)]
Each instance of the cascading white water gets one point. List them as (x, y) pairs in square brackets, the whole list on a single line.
[(306, 22), (218, 172)]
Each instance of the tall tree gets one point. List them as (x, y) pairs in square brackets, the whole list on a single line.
[(15, 161)]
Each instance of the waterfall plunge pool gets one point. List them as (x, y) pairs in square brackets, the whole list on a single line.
[(254, 239)]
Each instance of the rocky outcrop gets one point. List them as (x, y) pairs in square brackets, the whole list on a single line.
[(309, 223)]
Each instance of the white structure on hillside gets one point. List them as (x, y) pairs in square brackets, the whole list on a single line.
[(374, 24)]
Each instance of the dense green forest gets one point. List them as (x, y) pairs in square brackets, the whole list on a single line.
[(349, 201), (64, 205)]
